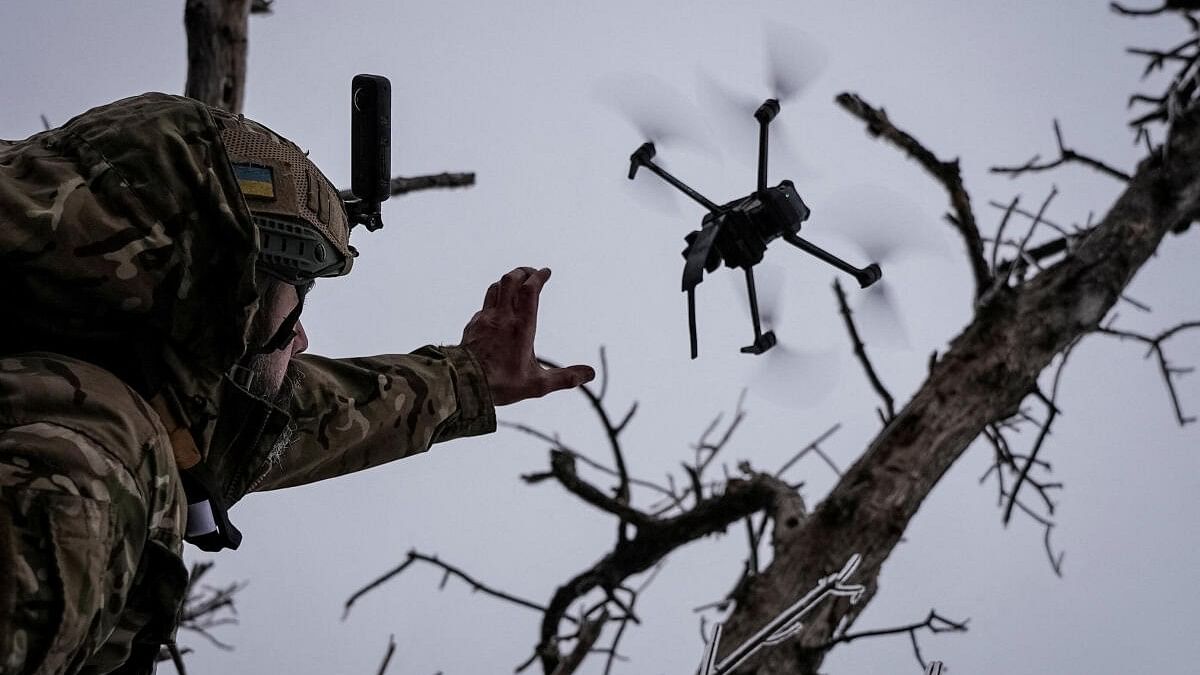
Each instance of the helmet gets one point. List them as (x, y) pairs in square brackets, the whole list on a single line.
[(304, 231)]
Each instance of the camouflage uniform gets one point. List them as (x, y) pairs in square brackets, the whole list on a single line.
[(127, 273)]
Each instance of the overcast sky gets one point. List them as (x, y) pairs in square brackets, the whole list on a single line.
[(509, 90)]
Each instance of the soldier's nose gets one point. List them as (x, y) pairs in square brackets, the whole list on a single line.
[(300, 342)]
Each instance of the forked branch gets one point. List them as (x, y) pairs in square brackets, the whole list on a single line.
[(1065, 155), (935, 623), (448, 571), (1169, 372)]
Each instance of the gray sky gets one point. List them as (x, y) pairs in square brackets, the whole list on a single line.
[(508, 90)]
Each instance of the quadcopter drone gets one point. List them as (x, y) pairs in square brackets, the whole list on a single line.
[(737, 233)]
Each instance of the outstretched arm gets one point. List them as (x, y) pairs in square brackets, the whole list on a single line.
[(352, 414)]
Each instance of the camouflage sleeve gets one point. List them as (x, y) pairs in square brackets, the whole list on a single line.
[(72, 530), (352, 414)]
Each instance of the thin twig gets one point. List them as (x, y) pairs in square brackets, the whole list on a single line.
[(1168, 371), (1008, 211), (1065, 155), (624, 621), (860, 350), (557, 443), (1052, 412), (934, 623), (613, 431), (813, 447), (449, 570), (1002, 281), (387, 657)]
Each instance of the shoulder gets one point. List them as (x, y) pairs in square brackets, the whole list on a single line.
[(73, 402)]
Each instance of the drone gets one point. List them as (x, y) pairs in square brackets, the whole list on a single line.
[(737, 233)]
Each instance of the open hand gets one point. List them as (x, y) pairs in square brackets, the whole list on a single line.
[(500, 336)]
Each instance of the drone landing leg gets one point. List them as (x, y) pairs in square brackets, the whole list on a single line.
[(644, 156), (692, 320), (762, 341), (865, 276)]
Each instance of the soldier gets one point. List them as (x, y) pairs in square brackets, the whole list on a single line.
[(154, 256)]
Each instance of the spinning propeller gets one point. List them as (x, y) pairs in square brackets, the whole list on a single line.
[(793, 62)]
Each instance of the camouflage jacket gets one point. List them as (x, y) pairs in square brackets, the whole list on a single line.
[(122, 236)]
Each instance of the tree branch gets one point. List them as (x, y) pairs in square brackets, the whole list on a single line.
[(624, 621), (1167, 6), (589, 632), (934, 623), (562, 466), (449, 570), (613, 431), (1168, 371), (860, 351), (1002, 281), (208, 607), (653, 540), (1065, 155), (387, 656), (557, 444), (814, 446), (947, 173), (216, 51), (401, 185), (1052, 412)]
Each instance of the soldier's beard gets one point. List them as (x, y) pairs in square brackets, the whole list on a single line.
[(275, 387)]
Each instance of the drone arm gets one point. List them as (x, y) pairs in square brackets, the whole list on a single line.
[(765, 113), (865, 276), (644, 156)]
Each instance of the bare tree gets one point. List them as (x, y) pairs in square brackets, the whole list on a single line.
[(1037, 294)]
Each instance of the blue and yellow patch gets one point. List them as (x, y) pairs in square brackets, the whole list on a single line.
[(255, 181)]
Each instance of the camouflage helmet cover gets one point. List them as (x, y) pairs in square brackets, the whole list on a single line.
[(303, 227)]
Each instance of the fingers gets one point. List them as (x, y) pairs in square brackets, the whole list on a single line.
[(489, 298), (570, 377), (528, 294), (509, 284)]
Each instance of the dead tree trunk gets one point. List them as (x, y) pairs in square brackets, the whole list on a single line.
[(216, 50)]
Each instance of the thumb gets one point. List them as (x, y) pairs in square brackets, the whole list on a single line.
[(568, 378)]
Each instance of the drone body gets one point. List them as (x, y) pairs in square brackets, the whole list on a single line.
[(737, 233)]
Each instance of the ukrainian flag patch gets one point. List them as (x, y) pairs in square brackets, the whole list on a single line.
[(255, 181)]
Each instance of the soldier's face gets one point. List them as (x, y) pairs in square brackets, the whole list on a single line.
[(274, 365)]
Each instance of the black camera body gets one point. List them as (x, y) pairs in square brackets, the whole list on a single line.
[(370, 148)]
